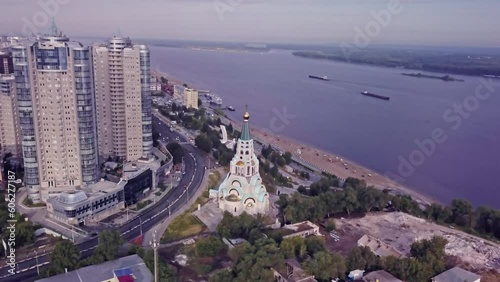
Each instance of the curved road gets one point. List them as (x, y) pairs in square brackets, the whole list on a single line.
[(179, 196)]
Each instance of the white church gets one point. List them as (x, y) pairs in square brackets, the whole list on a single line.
[(242, 189)]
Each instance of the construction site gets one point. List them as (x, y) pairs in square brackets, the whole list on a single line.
[(400, 230)]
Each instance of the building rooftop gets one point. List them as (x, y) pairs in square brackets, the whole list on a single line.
[(130, 268), (132, 169), (70, 198), (245, 130), (301, 226), (297, 274), (378, 247), (381, 276), (456, 274)]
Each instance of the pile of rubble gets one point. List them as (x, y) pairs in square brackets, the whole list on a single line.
[(400, 230)]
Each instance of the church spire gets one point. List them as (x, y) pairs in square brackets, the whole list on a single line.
[(245, 130)]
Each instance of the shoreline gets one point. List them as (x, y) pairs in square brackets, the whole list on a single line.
[(334, 163), (323, 159)]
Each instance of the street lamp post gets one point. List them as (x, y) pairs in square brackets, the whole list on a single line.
[(155, 246), (140, 224), (37, 267)]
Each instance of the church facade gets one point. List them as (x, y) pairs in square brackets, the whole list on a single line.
[(242, 189)]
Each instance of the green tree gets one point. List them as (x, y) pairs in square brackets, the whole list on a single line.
[(330, 225), (109, 243), (25, 234), (349, 200), (256, 263), (222, 276), (266, 151), (166, 273), (288, 157), (370, 198), (293, 247), (315, 244), (461, 213), (201, 141), (64, 256), (176, 151), (209, 247), (325, 266), (362, 258), (274, 171)]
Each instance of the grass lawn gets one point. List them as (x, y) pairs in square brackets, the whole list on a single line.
[(27, 202), (143, 204), (183, 226)]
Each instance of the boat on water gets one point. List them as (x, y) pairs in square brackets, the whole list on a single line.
[(491, 76), (216, 102), (366, 93), (231, 108), (319, 77)]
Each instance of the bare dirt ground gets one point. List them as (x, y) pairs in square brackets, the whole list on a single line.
[(400, 230)]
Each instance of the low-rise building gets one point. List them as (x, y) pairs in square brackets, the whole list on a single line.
[(378, 247), (100, 200), (380, 276), (302, 229), (90, 204), (293, 272), (126, 269), (356, 274), (456, 274)]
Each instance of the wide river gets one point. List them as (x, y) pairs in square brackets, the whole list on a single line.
[(462, 162)]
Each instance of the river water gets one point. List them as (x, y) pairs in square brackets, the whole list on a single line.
[(461, 162)]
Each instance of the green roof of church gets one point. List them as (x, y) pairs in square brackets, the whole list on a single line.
[(245, 131)]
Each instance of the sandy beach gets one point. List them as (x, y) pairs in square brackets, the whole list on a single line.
[(323, 160)]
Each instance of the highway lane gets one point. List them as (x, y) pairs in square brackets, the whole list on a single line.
[(195, 162)]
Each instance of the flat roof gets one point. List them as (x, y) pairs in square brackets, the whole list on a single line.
[(73, 196), (380, 275), (132, 265), (456, 274), (132, 169)]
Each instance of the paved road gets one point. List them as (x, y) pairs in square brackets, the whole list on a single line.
[(190, 182)]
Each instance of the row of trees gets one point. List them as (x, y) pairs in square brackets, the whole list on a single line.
[(358, 197), (67, 256), (272, 173), (24, 231), (276, 157)]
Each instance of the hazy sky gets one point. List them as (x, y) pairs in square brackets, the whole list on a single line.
[(423, 22)]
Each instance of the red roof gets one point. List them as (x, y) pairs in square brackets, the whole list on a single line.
[(126, 278)]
